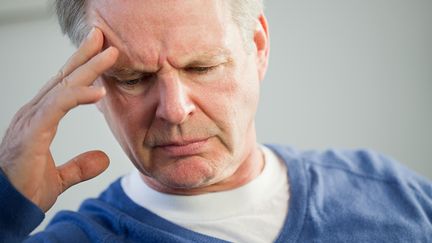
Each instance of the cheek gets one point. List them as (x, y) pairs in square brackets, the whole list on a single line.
[(231, 103), (128, 116), (248, 90), (242, 94)]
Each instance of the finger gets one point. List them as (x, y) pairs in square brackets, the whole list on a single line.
[(83, 167), (68, 95), (45, 120), (88, 49), (90, 46), (87, 73), (44, 123), (77, 96)]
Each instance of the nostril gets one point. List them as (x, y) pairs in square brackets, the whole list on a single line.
[(174, 112), (175, 105), (175, 109)]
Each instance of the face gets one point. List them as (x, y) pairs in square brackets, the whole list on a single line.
[(182, 97)]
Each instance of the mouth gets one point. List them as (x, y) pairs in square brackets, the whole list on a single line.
[(183, 148)]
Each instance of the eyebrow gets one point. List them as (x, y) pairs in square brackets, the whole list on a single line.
[(120, 72), (204, 58)]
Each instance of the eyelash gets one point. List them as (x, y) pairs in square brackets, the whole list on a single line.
[(201, 70), (197, 70), (133, 82), (130, 82)]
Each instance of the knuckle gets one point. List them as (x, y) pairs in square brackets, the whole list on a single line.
[(54, 80), (61, 74), (22, 112), (65, 82), (10, 146), (19, 119)]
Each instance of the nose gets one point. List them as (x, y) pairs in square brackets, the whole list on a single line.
[(174, 104)]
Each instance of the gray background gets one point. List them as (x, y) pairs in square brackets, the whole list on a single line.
[(343, 73)]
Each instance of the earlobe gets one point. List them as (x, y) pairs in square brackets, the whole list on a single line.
[(262, 43)]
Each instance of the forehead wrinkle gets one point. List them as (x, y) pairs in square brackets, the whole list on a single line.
[(177, 53), (123, 72), (109, 32), (202, 57), (216, 53), (114, 38)]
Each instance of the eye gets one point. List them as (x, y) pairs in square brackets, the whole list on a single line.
[(131, 82), (134, 86), (200, 70)]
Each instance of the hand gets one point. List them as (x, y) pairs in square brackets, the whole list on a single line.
[(25, 155)]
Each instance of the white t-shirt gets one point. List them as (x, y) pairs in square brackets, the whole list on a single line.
[(254, 212)]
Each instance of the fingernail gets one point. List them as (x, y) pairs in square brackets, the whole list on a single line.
[(99, 89), (111, 50), (103, 90), (89, 35)]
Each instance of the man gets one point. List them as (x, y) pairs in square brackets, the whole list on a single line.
[(178, 83)]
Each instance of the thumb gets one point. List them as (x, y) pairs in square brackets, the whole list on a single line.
[(83, 167)]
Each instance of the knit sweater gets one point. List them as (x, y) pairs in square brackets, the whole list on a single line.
[(335, 196)]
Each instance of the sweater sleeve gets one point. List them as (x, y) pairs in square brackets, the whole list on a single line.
[(18, 215)]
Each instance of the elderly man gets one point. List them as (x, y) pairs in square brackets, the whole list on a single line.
[(178, 83)]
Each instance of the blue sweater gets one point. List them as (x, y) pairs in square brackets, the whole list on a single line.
[(336, 196)]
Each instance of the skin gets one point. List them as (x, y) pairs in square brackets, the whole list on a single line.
[(25, 156), (187, 130), (186, 86)]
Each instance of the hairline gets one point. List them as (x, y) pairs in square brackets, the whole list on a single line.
[(243, 12)]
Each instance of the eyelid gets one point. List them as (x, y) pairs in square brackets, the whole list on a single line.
[(133, 77), (206, 64), (201, 69)]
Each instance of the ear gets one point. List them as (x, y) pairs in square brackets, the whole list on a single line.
[(262, 44)]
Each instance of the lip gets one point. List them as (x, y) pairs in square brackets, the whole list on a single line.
[(184, 148)]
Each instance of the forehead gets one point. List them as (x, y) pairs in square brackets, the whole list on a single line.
[(158, 29)]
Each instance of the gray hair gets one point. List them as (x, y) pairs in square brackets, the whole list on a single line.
[(71, 15), (245, 14)]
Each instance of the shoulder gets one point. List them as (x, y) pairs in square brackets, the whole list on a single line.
[(360, 194), (364, 164)]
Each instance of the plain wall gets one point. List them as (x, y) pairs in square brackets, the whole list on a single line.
[(342, 74)]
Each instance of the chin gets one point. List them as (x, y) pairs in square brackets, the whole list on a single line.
[(185, 174)]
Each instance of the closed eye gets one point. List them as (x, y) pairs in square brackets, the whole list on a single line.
[(131, 83), (200, 70)]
